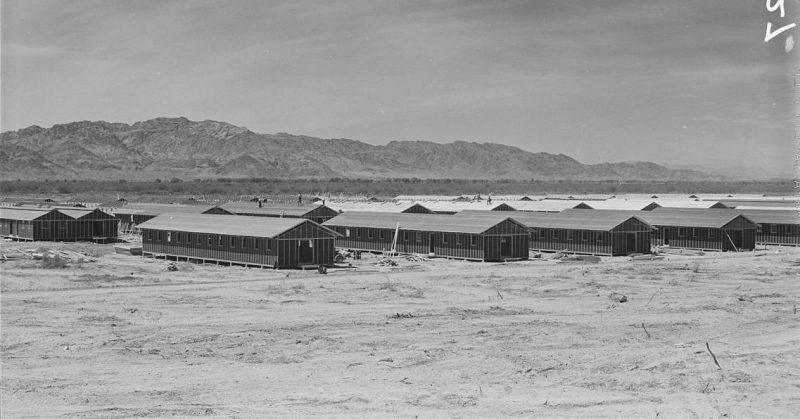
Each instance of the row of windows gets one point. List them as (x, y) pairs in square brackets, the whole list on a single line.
[(189, 238), (473, 239), (774, 228), (62, 225), (416, 236), (369, 233), (585, 236)]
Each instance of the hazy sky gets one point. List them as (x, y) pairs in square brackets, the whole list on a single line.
[(673, 81)]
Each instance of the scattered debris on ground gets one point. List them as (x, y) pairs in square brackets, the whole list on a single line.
[(615, 296), (386, 262), (580, 259)]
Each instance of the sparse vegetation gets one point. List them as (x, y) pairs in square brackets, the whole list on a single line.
[(53, 262), (696, 267), (390, 187)]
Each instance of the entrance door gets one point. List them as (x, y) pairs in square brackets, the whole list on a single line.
[(97, 229), (630, 242), (505, 246), (306, 254), (432, 243), (666, 236), (737, 238)]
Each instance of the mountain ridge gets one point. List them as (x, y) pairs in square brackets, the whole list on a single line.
[(178, 147)]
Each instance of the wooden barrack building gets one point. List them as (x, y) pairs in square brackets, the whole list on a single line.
[(131, 215), (776, 227), (472, 238), (703, 229), (584, 231), (57, 224), (250, 241), (316, 213)]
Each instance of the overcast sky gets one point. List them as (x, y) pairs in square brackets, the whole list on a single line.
[(671, 81)]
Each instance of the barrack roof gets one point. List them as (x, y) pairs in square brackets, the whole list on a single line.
[(157, 209), (549, 205), (389, 206), (269, 208), (692, 217), (572, 219), (420, 222), (232, 225), (22, 214), (771, 216)]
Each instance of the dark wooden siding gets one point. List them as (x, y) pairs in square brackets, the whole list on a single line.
[(56, 226), (218, 211), (507, 230), (739, 239), (17, 228), (740, 223), (321, 214), (632, 225), (778, 234), (359, 238), (651, 207), (688, 237), (624, 243), (704, 238), (503, 207), (417, 209), (630, 236), (587, 242), (96, 224), (322, 252)]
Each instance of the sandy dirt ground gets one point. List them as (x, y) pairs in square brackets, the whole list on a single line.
[(125, 337)]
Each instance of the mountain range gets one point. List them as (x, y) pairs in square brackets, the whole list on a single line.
[(177, 147)]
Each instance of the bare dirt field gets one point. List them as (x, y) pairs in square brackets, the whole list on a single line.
[(123, 337)]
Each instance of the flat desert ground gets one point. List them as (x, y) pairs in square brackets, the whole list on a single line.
[(123, 337)]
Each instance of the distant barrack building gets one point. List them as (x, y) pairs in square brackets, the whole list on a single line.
[(133, 214), (452, 207), (233, 239), (713, 229), (388, 206), (581, 231), (58, 224), (685, 203), (550, 205), (775, 227), (314, 212), (762, 203), (703, 228), (472, 238)]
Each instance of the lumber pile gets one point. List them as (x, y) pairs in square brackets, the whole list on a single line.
[(580, 259)]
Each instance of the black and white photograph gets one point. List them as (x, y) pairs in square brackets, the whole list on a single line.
[(399, 208)]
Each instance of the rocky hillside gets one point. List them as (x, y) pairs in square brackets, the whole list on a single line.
[(177, 147)]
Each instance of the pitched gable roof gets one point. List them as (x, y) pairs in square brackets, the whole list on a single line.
[(232, 225), (419, 222)]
